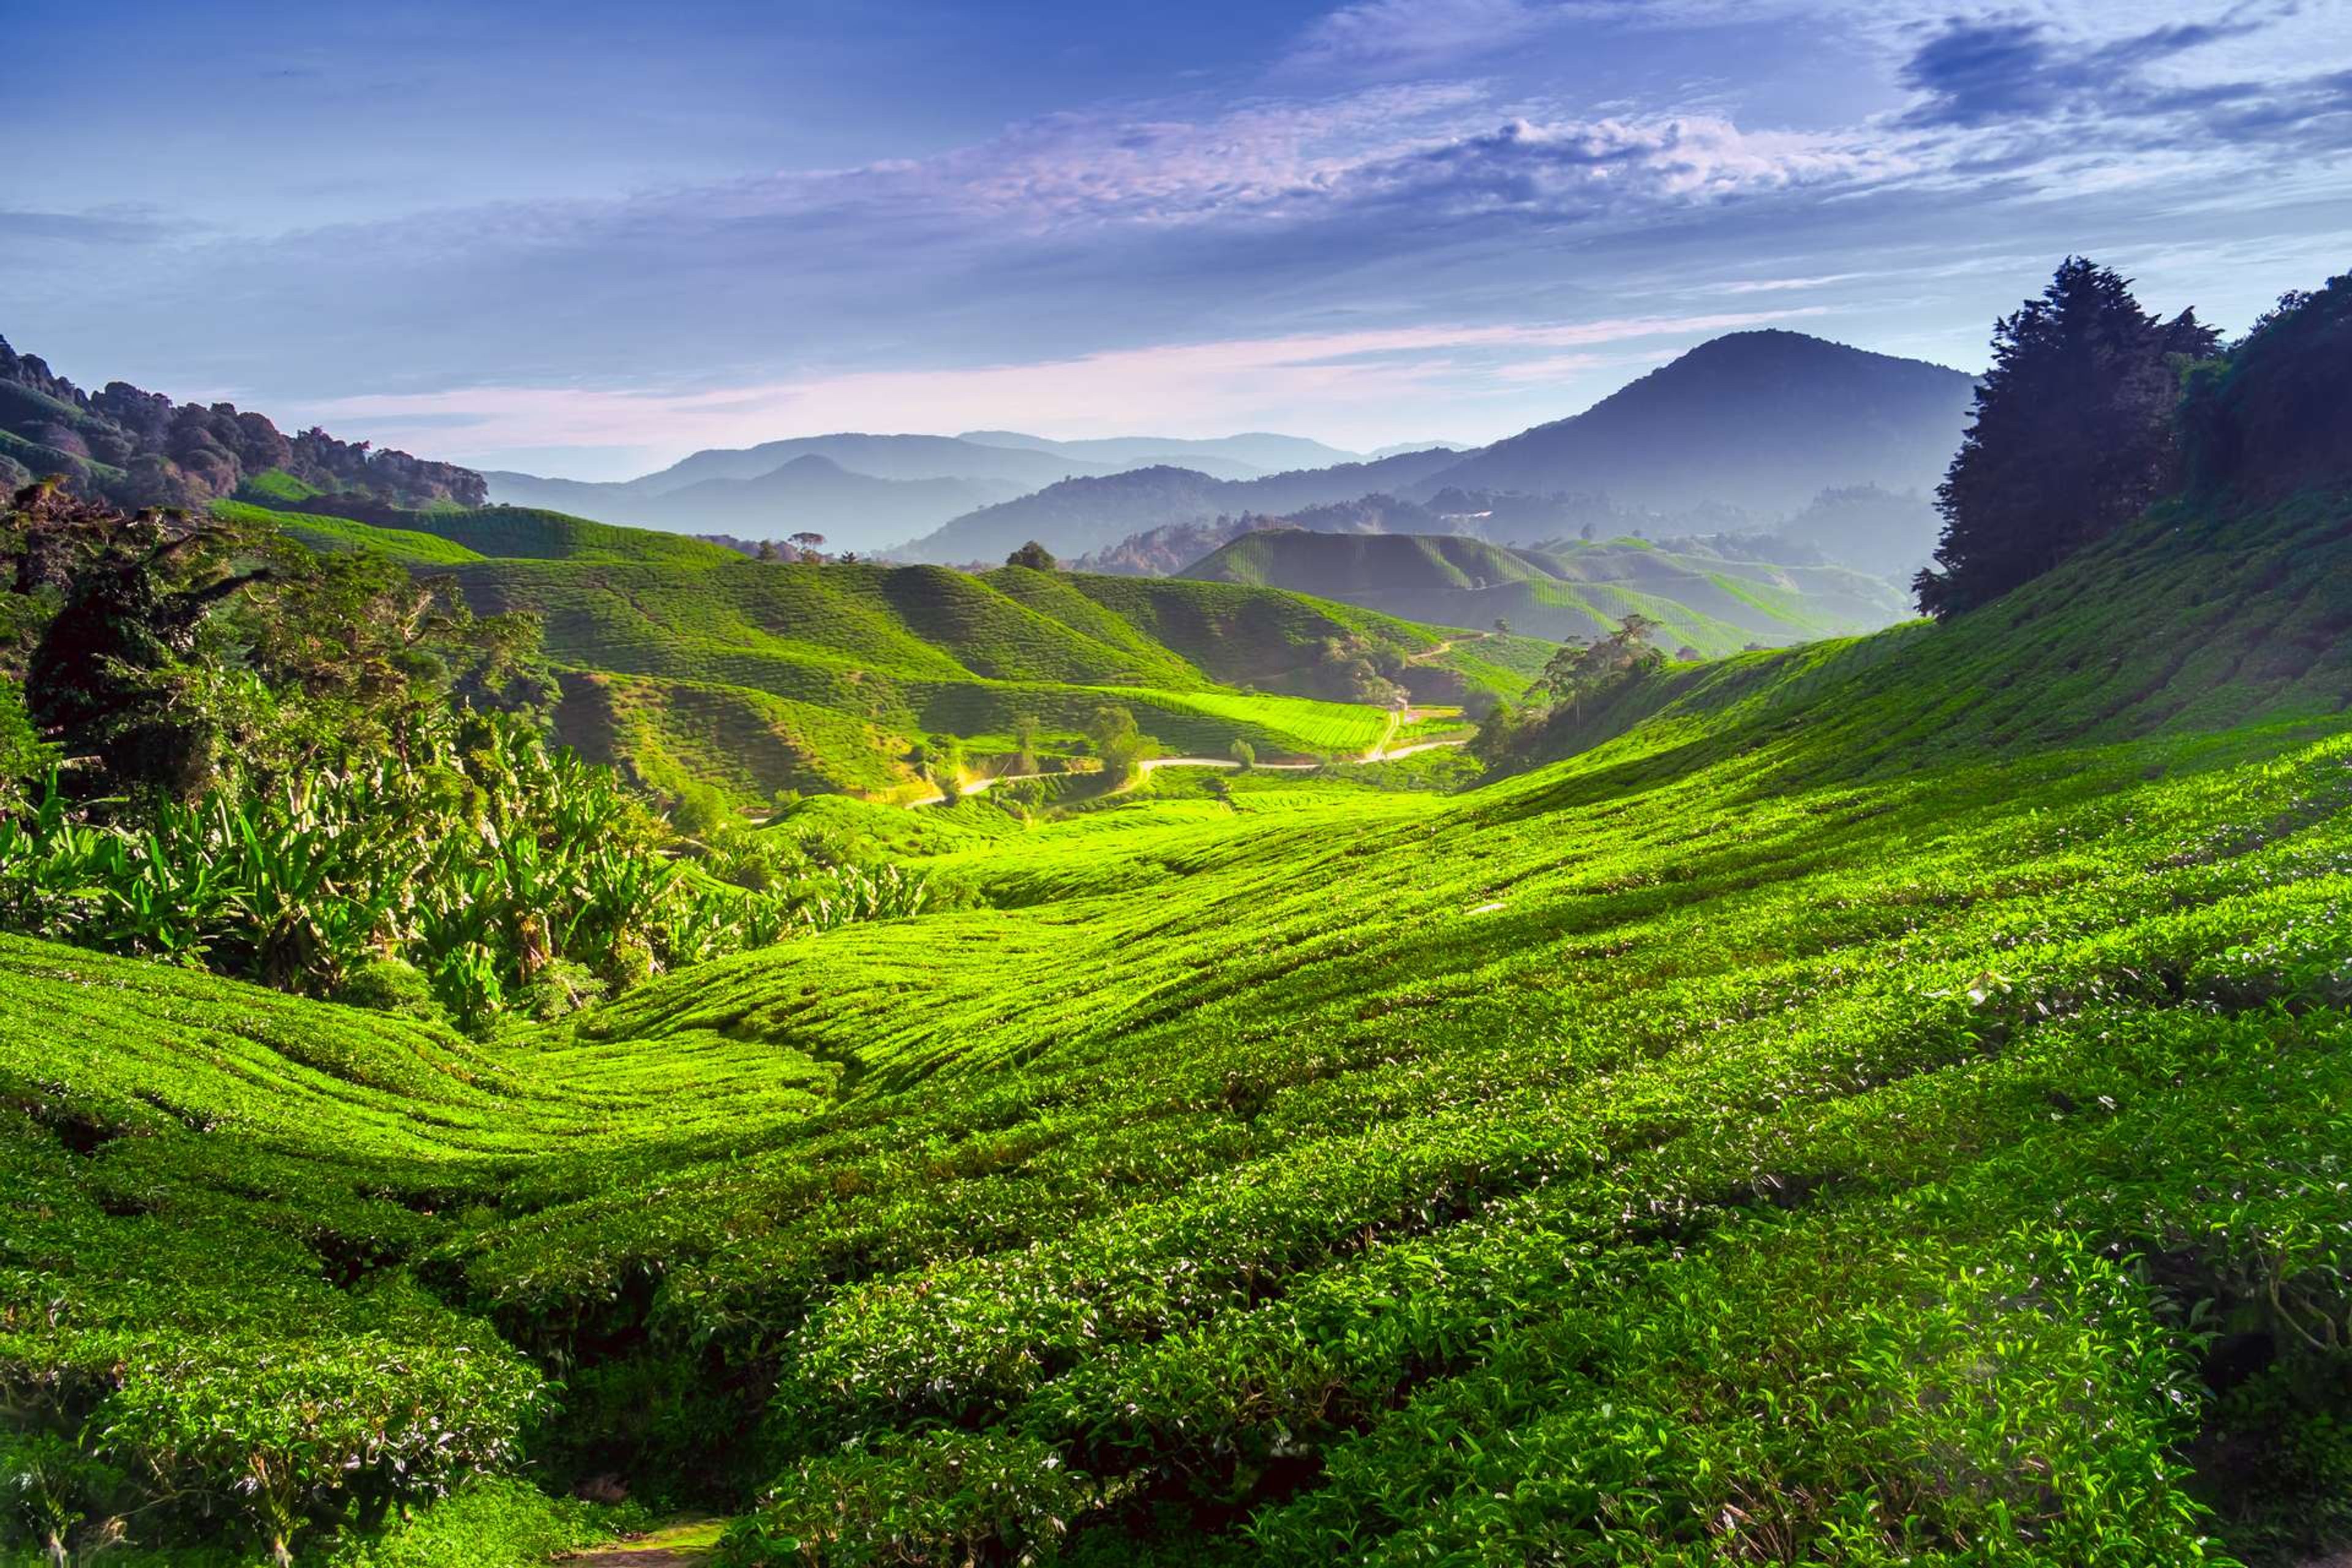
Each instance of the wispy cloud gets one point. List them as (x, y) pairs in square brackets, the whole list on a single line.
[(102, 226), (1388, 373), (1413, 36), (1786, 285)]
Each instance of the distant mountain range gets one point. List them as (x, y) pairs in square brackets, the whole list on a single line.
[(1736, 435), (809, 493), (806, 483), (1085, 514), (1223, 457), (1713, 596), (1753, 427)]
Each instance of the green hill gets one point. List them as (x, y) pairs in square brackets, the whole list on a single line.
[(684, 660), (1579, 589), (1884, 1099)]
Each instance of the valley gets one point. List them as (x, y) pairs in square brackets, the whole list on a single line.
[(528, 1039)]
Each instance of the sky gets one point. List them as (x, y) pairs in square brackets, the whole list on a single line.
[(587, 239)]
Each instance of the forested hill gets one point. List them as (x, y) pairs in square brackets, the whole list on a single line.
[(138, 448), (1764, 421), (1711, 600)]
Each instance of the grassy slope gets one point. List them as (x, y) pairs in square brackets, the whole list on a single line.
[(2257, 603), (1747, 1120), (1579, 589), (685, 661)]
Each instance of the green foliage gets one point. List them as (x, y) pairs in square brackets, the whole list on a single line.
[(479, 857), (942, 1497), (1112, 733), (1578, 675), (2270, 416), (489, 1523)]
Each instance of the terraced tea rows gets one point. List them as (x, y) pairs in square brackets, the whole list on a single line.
[(1730, 1135)]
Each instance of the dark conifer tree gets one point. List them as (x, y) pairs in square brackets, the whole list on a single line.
[(2072, 435)]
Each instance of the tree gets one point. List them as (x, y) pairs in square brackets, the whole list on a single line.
[(1025, 742), (1502, 627), (701, 812), (1111, 731), (811, 546), (99, 680), (1589, 670), (767, 551), (2072, 435), (1034, 556), (1243, 752)]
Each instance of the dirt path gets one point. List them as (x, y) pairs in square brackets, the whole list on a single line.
[(1439, 650), (685, 1544)]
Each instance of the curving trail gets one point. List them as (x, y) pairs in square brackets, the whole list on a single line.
[(1382, 751)]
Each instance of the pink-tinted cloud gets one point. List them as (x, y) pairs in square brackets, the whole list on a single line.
[(1375, 382)]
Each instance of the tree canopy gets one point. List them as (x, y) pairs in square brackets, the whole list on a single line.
[(2073, 434)]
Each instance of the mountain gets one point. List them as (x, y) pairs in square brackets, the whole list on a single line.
[(138, 448), (1084, 514), (1245, 456), (1763, 421), (1707, 601)]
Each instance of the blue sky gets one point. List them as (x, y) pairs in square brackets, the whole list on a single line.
[(587, 239)]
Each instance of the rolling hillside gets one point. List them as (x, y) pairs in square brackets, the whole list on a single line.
[(683, 661), (1889, 1099), (1762, 421), (1578, 590)]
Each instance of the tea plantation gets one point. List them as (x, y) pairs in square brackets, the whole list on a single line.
[(687, 663), (1879, 1103)]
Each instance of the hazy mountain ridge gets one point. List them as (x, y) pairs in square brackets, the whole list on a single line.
[(1250, 454), (1079, 515), (1764, 421)]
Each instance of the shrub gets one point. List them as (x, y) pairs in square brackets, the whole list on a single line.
[(390, 985), (942, 1496)]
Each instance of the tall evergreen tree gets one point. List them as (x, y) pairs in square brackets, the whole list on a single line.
[(2072, 435)]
